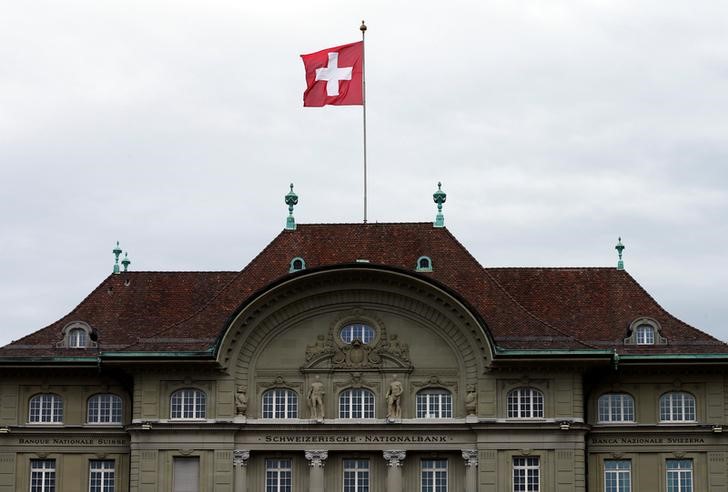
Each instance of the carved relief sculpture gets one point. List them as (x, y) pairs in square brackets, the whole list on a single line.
[(471, 401), (394, 395), (241, 402), (316, 399)]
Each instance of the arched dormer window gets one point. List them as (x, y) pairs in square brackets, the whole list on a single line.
[(645, 331), (434, 403), (46, 408), (616, 407), (525, 403), (297, 264), (188, 404), (77, 338), (104, 408), (280, 403), (424, 264), (356, 403), (77, 334), (677, 406)]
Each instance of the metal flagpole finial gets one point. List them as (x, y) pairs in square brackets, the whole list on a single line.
[(363, 26)]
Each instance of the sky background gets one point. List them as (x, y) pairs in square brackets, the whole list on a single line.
[(176, 127)]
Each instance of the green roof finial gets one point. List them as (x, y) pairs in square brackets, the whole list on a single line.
[(620, 247), (117, 252), (439, 197), (126, 261), (291, 201)]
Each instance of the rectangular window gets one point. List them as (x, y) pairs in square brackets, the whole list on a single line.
[(186, 476), (356, 475), (278, 475), (101, 476), (42, 475), (526, 474), (679, 475), (617, 476), (434, 476)]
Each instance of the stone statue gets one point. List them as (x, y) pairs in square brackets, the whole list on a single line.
[(398, 349), (316, 399), (317, 348), (394, 395), (241, 402), (471, 401)]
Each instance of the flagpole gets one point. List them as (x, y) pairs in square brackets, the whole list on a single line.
[(363, 29)]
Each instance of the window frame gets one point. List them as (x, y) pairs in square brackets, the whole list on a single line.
[(47, 474), (368, 333), (608, 398), (680, 473), (290, 408), (199, 409), (443, 403), (432, 473), (616, 474), (105, 475), (279, 471), (671, 411), (535, 403), (645, 334), (111, 409), (516, 467), (356, 472), (367, 409), (78, 337), (56, 409)]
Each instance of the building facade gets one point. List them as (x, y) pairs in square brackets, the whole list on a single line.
[(365, 357)]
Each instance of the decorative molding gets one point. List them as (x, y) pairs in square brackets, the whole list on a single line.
[(471, 457), (395, 457), (186, 451), (240, 457), (316, 458)]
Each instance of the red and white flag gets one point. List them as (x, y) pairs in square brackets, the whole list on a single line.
[(334, 76)]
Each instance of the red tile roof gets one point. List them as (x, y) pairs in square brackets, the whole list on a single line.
[(524, 308)]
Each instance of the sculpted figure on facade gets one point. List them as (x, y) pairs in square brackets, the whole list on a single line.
[(241, 402), (318, 347), (394, 396), (471, 401), (316, 399)]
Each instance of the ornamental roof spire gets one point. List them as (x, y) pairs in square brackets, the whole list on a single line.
[(620, 247), (117, 252), (291, 200), (126, 261), (439, 197)]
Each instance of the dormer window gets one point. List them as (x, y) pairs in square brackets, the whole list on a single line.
[(424, 264), (77, 335), (645, 331), (297, 264), (77, 338)]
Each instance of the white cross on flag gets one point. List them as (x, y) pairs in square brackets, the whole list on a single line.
[(334, 76)]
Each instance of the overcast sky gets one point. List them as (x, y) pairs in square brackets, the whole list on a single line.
[(175, 128)]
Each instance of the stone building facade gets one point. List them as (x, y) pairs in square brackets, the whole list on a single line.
[(365, 357)]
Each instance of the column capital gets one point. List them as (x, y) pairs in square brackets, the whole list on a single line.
[(241, 457), (471, 457), (316, 457), (394, 457)]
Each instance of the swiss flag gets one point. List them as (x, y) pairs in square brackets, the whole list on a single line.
[(334, 76)]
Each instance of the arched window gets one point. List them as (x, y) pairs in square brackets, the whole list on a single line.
[(280, 404), (77, 338), (356, 403), (434, 404), (104, 409), (46, 408), (645, 335), (525, 403), (297, 264), (357, 331), (677, 406), (188, 403), (616, 407), (424, 264)]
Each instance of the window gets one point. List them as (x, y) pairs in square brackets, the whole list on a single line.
[(278, 476), (616, 407), (679, 475), (617, 476), (526, 474), (677, 407), (356, 404), (434, 476), (424, 264), (77, 338), (280, 404), (357, 331), (645, 335), (104, 409), (434, 404), (356, 475), (46, 408), (525, 403), (297, 264), (42, 475), (189, 403), (186, 474), (101, 476)]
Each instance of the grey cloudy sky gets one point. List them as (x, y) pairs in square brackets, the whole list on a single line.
[(175, 128)]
